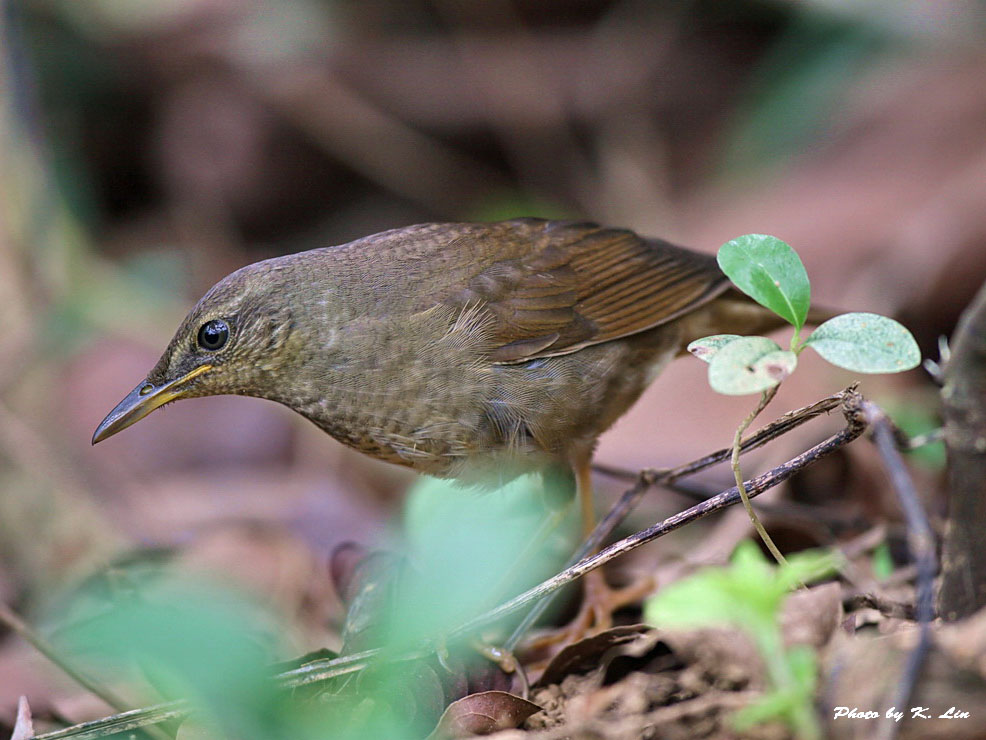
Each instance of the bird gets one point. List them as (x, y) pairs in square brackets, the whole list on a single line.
[(472, 351)]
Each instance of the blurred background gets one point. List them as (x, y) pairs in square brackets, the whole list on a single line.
[(147, 149)]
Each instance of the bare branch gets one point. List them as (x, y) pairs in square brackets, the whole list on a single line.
[(921, 541), (963, 587), (321, 670)]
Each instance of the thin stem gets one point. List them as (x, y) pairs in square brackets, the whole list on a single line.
[(765, 398), (796, 345)]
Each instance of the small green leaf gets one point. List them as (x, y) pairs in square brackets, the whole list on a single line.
[(770, 272), (706, 347), (866, 343), (882, 562), (705, 599), (807, 566), (748, 592), (791, 703), (750, 365)]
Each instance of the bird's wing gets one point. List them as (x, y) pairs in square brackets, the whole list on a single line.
[(577, 284)]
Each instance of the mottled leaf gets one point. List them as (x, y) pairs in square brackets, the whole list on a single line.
[(750, 365), (706, 347), (866, 343)]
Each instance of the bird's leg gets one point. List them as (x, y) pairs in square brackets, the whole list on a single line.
[(599, 601)]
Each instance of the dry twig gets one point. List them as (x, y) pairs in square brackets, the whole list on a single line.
[(322, 670)]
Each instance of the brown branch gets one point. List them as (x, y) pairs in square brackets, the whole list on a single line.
[(780, 426), (645, 479), (855, 426), (321, 670), (921, 541), (963, 586)]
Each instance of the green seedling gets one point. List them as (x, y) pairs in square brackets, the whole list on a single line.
[(771, 273), (749, 594)]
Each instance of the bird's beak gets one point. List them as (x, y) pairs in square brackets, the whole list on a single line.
[(141, 401)]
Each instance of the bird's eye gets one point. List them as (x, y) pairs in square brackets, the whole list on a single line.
[(213, 335)]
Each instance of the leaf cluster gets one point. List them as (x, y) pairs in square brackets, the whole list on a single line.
[(771, 272)]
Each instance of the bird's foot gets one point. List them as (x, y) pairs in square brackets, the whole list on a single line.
[(599, 601), (507, 663)]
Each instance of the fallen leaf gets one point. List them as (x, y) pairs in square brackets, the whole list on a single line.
[(586, 653), (481, 714)]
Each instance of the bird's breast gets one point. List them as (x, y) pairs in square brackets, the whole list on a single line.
[(407, 390)]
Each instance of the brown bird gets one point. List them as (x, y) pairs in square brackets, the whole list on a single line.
[(475, 351)]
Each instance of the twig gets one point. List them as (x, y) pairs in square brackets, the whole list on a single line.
[(921, 541), (855, 427), (135, 719), (780, 426), (321, 670), (645, 479)]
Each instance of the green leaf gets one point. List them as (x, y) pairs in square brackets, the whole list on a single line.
[(705, 599), (746, 593), (462, 543), (866, 343), (791, 703), (807, 566), (770, 272), (749, 593), (189, 640), (706, 347), (750, 365), (882, 562)]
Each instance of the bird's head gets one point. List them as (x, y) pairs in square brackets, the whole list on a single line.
[(238, 339)]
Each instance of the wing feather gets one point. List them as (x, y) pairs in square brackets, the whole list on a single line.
[(561, 286)]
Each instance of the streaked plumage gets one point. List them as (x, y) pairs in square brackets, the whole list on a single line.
[(463, 350)]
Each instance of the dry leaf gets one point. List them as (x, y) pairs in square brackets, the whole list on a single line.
[(481, 714), (587, 653)]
